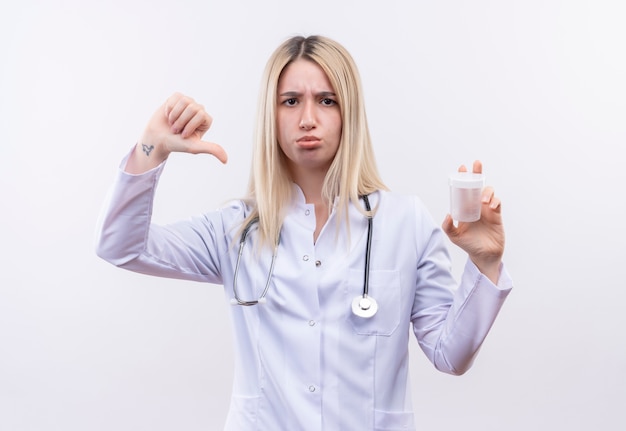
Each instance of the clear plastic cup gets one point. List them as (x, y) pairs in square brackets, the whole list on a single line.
[(465, 196)]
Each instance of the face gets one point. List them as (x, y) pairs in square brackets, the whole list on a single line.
[(308, 118)]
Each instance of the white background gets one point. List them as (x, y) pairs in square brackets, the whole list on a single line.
[(536, 89)]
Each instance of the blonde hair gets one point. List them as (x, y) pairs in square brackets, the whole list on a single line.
[(353, 172)]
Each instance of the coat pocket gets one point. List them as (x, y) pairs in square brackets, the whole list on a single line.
[(385, 289), (393, 421)]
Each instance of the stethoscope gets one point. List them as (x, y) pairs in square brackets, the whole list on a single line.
[(363, 305)]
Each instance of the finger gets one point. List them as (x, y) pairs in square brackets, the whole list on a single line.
[(487, 194), (448, 226), (477, 167), (197, 114), (204, 147), (198, 123), (491, 201), (495, 204), (462, 168), (170, 103), (489, 197), (180, 113)]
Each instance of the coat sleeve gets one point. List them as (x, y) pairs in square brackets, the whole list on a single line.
[(451, 321), (189, 249)]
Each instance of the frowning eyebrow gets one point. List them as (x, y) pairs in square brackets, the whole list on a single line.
[(321, 94)]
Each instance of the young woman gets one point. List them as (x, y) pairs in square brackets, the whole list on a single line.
[(326, 269)]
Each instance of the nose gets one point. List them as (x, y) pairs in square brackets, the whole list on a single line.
[(307, 119)]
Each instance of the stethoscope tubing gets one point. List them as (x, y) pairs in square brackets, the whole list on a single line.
[(242, 241), (368, 248), (362, 305)]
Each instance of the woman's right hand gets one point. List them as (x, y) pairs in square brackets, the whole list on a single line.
[(177, 126)]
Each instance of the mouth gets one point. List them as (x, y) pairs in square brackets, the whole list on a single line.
[(308, 142)]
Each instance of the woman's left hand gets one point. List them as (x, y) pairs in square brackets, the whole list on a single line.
[(483, 240)]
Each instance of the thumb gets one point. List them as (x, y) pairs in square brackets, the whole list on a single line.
[(204, 147), (449, 228)]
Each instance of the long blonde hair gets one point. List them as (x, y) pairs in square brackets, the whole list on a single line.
[(353, 171)]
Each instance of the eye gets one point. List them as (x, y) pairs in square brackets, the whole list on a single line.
[(292, 101), (328, 102)]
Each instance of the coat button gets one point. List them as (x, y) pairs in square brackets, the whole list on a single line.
[(311, 388), (318, 263), (305, 258)]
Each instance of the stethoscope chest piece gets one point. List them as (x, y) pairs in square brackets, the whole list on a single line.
[(364, 306)]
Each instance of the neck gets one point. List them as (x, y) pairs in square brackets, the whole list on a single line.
[(311, 186)]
